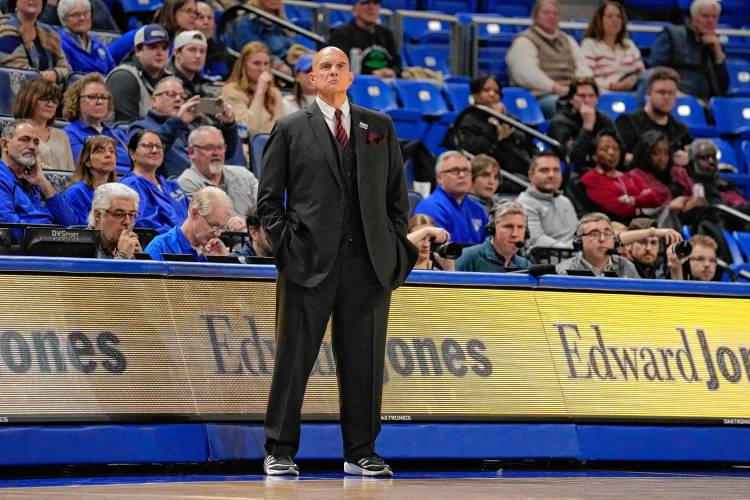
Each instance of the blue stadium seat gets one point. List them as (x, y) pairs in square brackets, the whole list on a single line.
[(257, 143), (129, 6), (457, 95), (372, 92), (450, 6), (522, 104), (492, 62), (400, 4), (301, 16), (427, 98), (339, 18), (489, 34), (689, 111), (11, 80), (745, 150), (743, 241), (427, 31), (739, 80), (414, 199), (733, 247), (505, 9), (434, 57), (616, 103), (732, 115)]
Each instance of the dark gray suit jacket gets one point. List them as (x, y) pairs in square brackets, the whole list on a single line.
[(300, 160)]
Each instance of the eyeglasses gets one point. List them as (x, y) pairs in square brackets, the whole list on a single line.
[(49, 99), (172, 94), (96, 97), (457, 171), (78, 15), (121, 214), (214, 226), (596, 234), (150, 146), (702, 260), (211, 148)]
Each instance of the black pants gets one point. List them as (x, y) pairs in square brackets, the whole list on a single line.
[(359, 304)]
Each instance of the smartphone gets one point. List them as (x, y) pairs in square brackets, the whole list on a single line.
[(209, 106)]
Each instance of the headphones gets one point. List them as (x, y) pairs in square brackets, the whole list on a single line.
[(578, 237), (489, 228)]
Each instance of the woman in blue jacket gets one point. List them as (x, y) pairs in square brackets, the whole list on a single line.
[(85, 53), (95, 166)]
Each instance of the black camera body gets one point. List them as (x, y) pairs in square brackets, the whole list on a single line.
[(683, 249), (447, 250)]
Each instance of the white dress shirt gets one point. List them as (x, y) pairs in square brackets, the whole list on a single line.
[(328, 111)]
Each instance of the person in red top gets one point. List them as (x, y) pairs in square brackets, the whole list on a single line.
[(671, 184), (618, 195)]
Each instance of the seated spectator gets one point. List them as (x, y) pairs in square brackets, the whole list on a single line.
[(670, 183), (206, 149), (177, 16), (550, 215), (26, 195), (449, 206), (304, 91), (657, 115), (95, 166), (26, 43), (485, 179), (259, 245), (596, 238), (114, 209), (694, 50), (421, 232), (702, 259), (506, 227), (612, 56), (644, 239), (219, 61), (86, 105), (132, 82), (163, 204), (199, 235), (250, 91), (280, 43), (173, 116), (101, 17), (37, 101), (85, 52), (371, 48), (577, 121), (545, 60), (477, 132), (618, 195), (188, 60), (704, 169)]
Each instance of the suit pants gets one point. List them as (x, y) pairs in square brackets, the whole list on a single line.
[(359, 304)]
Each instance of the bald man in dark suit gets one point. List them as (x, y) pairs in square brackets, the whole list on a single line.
[(333, 199)]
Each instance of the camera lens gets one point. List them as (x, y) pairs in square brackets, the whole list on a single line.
[(683, 248), (447, 250)]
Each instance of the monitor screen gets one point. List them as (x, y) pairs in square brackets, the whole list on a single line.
[(178, 257), (60, 242)]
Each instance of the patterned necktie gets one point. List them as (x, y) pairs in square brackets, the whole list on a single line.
[(341, 136)]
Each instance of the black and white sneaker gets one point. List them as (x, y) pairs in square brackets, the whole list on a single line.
[(368, 466), (280, 465)]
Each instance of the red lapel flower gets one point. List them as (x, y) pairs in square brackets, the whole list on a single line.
[(375, 138)]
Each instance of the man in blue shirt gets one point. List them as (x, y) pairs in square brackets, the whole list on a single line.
[(26, 195), (499, 252), (449, 204), (199, 235)]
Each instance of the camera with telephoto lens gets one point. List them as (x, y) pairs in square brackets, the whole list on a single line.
[(447, 250), (683, 249)]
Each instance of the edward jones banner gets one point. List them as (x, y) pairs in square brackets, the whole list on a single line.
[(139, 348)]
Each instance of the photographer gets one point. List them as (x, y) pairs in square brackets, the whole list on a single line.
[(506, 228), (702, 260), (423, 233), (644, 239), (173, 116)]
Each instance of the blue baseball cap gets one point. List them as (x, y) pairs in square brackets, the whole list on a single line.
[(304, 63), (151, 33)]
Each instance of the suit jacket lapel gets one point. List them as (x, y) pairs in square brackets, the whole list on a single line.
[(364, 167), (323, 136)]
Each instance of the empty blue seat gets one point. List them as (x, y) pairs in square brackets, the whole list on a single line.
[(743, 241), (434, 57), (617, 103), (400, 4), (372, 92), (129, 6), (689, 111), (734, 248), (739, 80), (523, 105), (457, 95), (301, 16), (414, 199), (11, 80), (450, 6), (745, 150), (427, 98), (732, 115), (505, 9), (338, 18), (427, 31), (257, 143)]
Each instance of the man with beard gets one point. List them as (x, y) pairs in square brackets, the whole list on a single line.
[(644, 239), (550, 215), (113, 212), (656, 115), (206, 150), (26, 195)]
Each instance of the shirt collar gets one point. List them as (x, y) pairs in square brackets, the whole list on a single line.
[(328, 110)]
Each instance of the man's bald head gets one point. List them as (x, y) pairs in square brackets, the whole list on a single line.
[(331, 75)]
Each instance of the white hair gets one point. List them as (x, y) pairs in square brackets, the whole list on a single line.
[(205, 199), (104, 194), (193, 137), (65, 6), (445, 156), (698, 4)]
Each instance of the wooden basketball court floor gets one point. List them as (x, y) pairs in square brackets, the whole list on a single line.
[(409, 485)]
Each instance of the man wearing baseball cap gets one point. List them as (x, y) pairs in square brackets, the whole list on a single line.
[(132, 82), (188, 60)]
